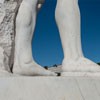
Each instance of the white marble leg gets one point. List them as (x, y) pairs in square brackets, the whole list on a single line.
[(68, 20), (24, 63)]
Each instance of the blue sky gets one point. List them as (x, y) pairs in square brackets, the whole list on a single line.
[(46, 44)]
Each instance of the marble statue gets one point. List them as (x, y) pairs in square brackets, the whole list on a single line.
[(68, 20), (46, 88), (24, 63)]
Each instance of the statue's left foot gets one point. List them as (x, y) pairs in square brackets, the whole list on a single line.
[(82, 66)]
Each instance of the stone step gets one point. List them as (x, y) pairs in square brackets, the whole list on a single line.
[(49, 88)]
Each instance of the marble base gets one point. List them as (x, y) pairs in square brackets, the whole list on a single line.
[(50, 88)]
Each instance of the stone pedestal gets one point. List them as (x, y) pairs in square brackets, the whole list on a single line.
[(50, 88)]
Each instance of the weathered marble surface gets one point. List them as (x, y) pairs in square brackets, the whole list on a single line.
[(1, 58), (7, 19), (50, 88)]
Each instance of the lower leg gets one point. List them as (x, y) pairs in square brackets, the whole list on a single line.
[(68, 21), (25, 24)]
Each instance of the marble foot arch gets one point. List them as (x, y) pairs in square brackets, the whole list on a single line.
[(67, 17)]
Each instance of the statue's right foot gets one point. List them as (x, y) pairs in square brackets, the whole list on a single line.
[(80, 67), (32, 70)]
